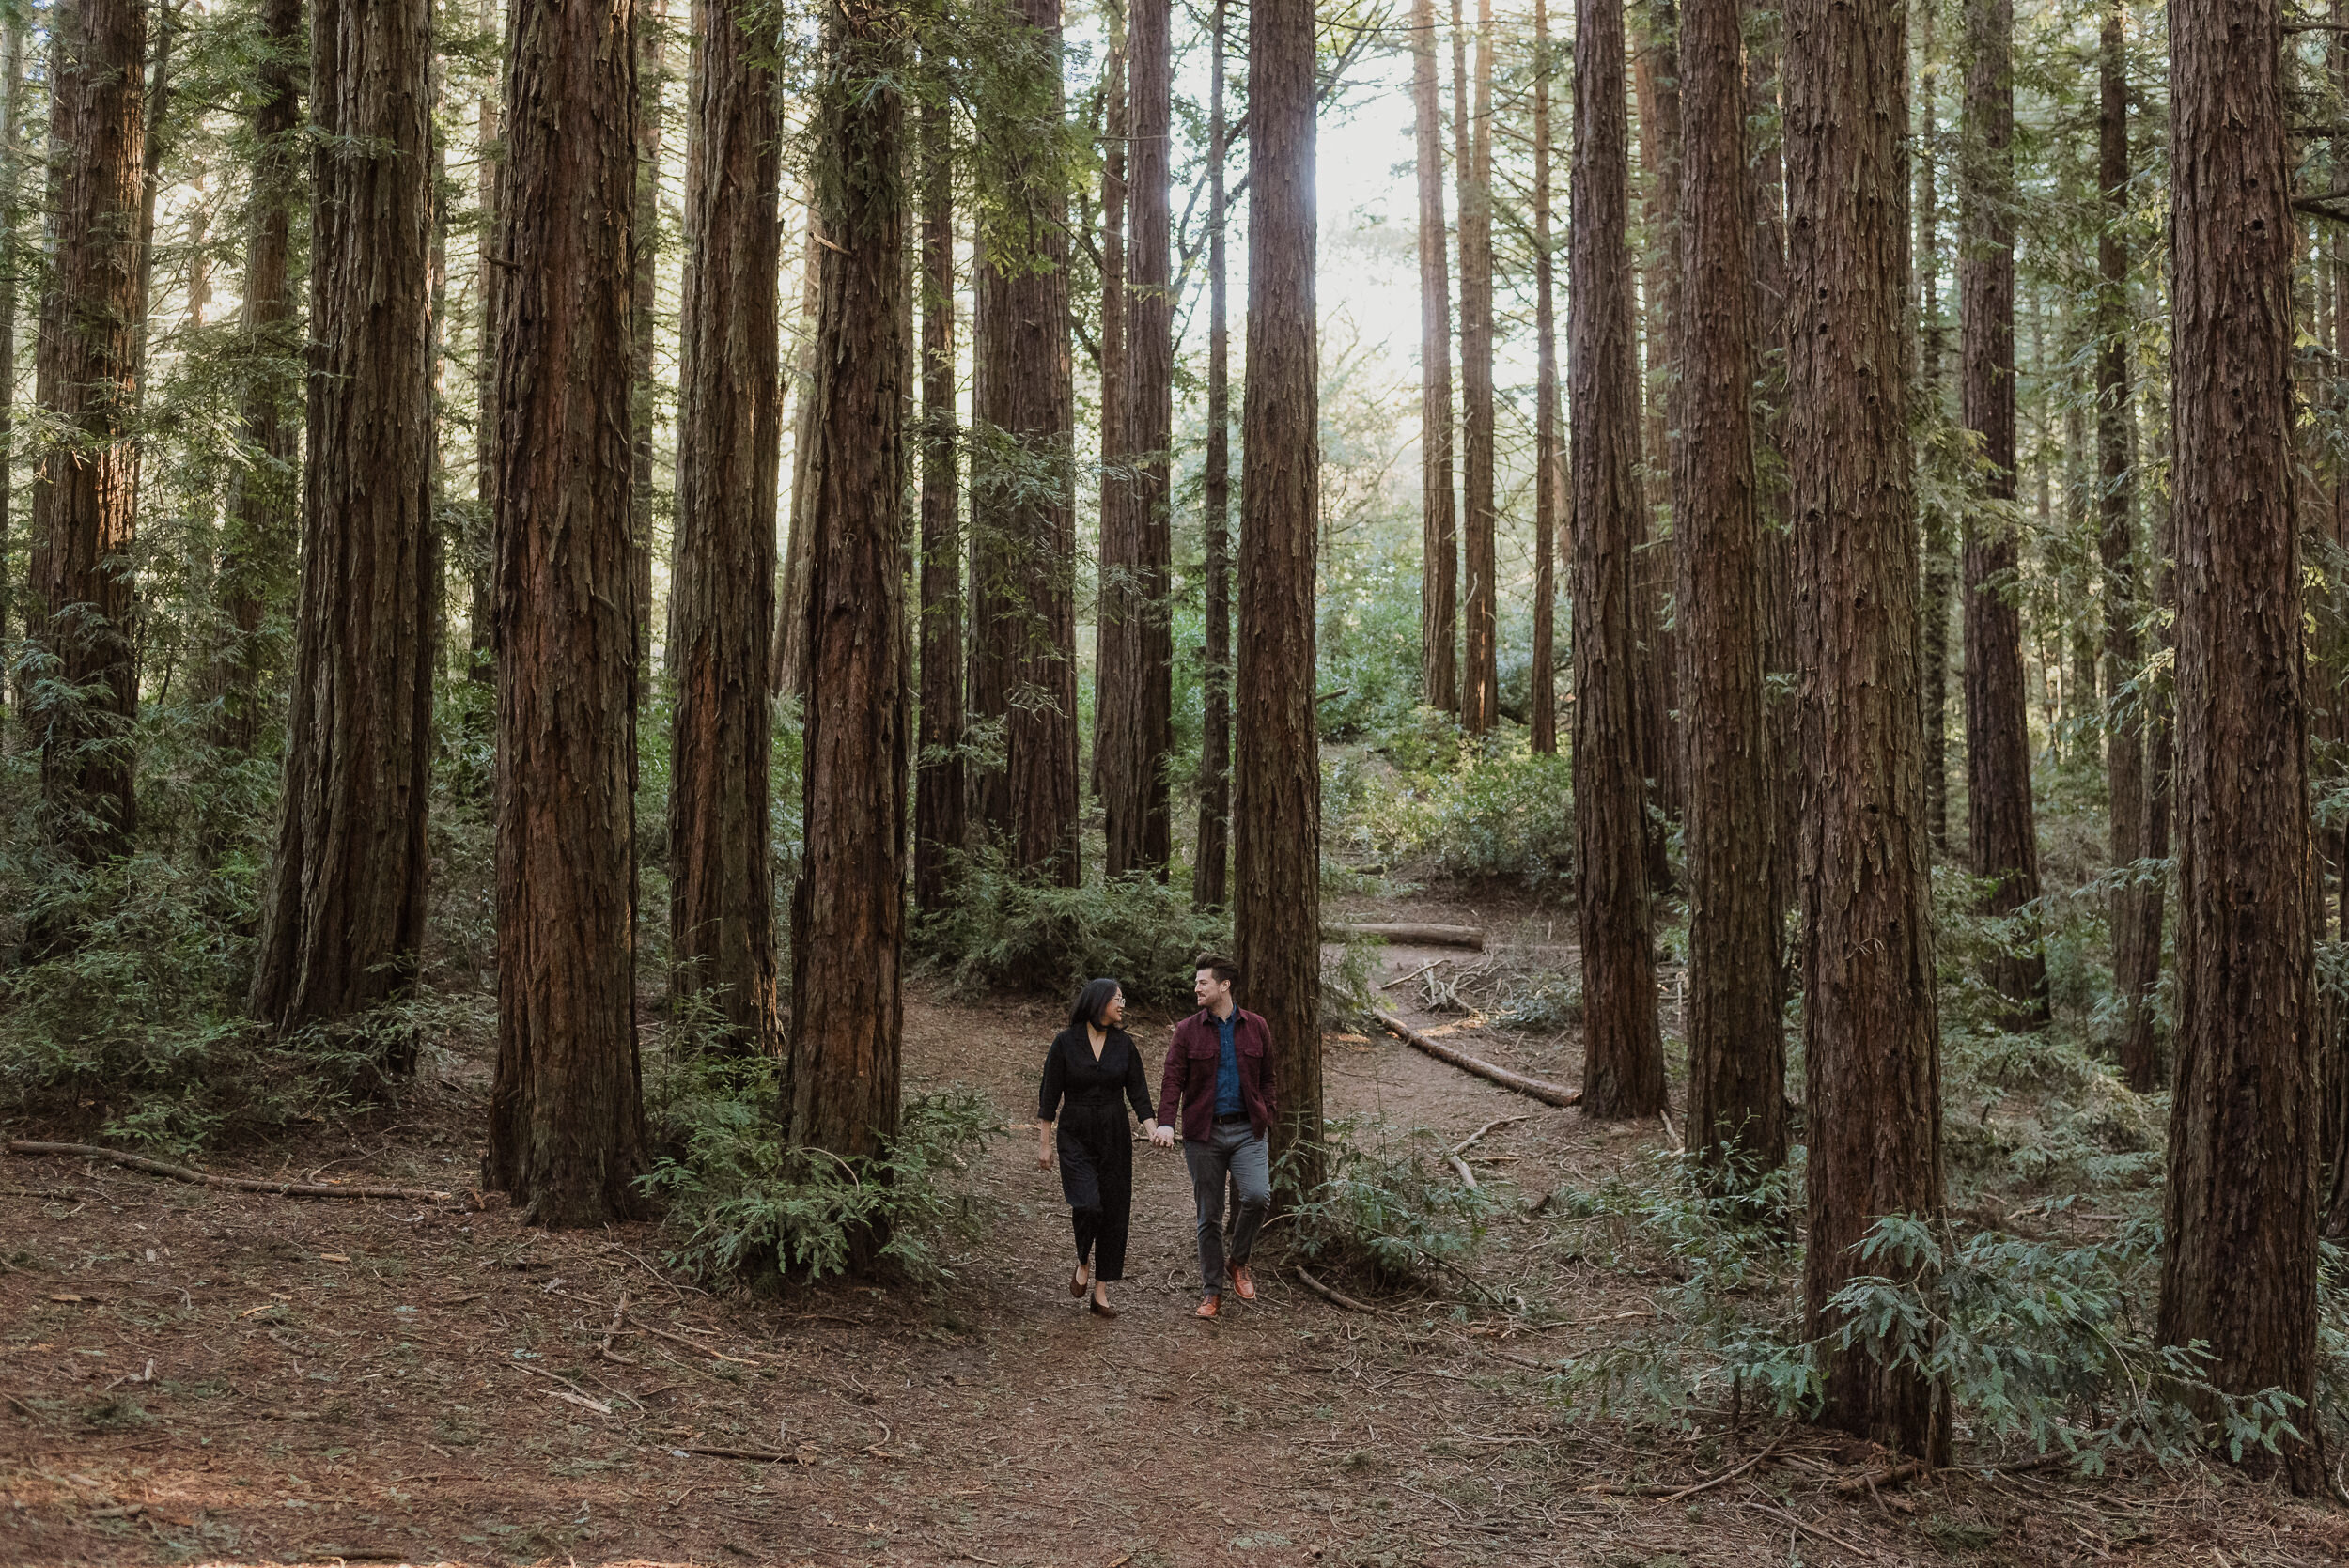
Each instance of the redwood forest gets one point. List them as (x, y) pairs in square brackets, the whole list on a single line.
[(1663, 684)]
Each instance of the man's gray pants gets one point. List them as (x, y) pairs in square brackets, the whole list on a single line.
[(1231, 1150)]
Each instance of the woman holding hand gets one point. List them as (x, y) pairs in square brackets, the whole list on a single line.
[(1092, 1064)]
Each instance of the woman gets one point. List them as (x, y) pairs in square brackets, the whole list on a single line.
[(1091, 1063)]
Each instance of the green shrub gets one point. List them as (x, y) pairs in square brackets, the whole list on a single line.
[(1487, 810), (749, 1208), (1009, 932), (1389, 1200)]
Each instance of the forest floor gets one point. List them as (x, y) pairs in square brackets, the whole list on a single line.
[(192, 1374)]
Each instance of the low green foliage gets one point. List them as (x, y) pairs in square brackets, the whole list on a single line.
[(1010, 932), (1427, 795), (1390, 1202), (748, 1207)]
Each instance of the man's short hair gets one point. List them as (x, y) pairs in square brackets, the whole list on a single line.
[(1225, 970)]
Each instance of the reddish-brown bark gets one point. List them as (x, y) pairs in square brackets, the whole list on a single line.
[(344, 918), (847, 912), (1870, 1027), (85, 492), (1211, 865), (567, 1134), (652, 43), (1548, 474), (2002, 840), (1440, 541), (939, 819), (1277, 815), (1736, 1048), (722, 580), (1479, 679), (1622, 1050), (2239, 1263)]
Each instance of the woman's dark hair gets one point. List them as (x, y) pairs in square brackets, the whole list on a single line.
[(1091, 1002)]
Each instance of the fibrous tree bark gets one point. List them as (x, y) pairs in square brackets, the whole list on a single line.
[(652, 43), (1113, 530), (1870, 1029), (1479, 679), (1764, 29), (1655, 80), (2239, 1261), (1211, 866), (567, 1134), (85, 492), (2135, 969), (722, 579), (345, 915), (847, 912), (938, 806), (489, 180), (259, 541), (1622, 1074), (1134, 683), (1440, 541), (788, 675), (1736, 1050), (13, 33), (2002, 840), (1023, 508), (1548, 474), (1932, 332), (1277, 815)]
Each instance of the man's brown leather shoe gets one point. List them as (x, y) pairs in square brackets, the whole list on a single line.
[(1242, 1281), (1207, 1307)]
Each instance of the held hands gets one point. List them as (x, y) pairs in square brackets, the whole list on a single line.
[(1160, 1137)]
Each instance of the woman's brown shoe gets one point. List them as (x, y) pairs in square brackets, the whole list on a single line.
[(1077, 1282), (1101, 1306)]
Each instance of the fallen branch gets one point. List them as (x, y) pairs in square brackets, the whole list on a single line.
[(1673, 1494), (1336, 1299), (1391, 985), (1467, 1177), (1891, 1475), (759, 1456), (237, 1184), (1549, 1093), (643, 1328), (1414, 933), (1465, 1144)]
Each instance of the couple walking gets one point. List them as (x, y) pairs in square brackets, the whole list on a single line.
[(1218, 1075)]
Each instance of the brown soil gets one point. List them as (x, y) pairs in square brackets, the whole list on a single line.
[(196, 1374)]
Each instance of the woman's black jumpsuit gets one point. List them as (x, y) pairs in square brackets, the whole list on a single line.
[(1094, 1140)]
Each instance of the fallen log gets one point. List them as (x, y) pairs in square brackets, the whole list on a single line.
[(1549, 1093), (1335, 1297), (1417, 935), (237, 1184)]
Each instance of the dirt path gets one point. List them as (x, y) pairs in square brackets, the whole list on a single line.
[(192, 1374)]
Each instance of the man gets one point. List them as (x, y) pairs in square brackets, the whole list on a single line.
[(1219, 1072)]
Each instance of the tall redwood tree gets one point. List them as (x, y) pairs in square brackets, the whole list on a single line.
[(2239, 1261), (1549, 472), (345, 916), (1211, 869), (939, 819), (86, 369), (2002, 840), (847, 913), (567, 1132), (1479, 679), (1623, 1073), (1439, 534), (721, 594), (1277, 815), (1736, 1048), (1870, 1027)]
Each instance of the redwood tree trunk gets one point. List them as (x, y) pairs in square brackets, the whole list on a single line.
[(84, 493), (1542, 698), (1439, 542), (1656, 82), (652, 39), (722, 579), (2000, 838), (1135, 690), (1930, 335), (489, 181), (345, 916), (1870, 1030), (566, 1133), (258, 545), (1208, 877), (1764, 29), (1277, 817), (1623, 1073), (1479, 679), (939, 808), (1024, 542), (847, 913), (2239, 1264), (2124, 738), (1115, 531), (1736, 1050)]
